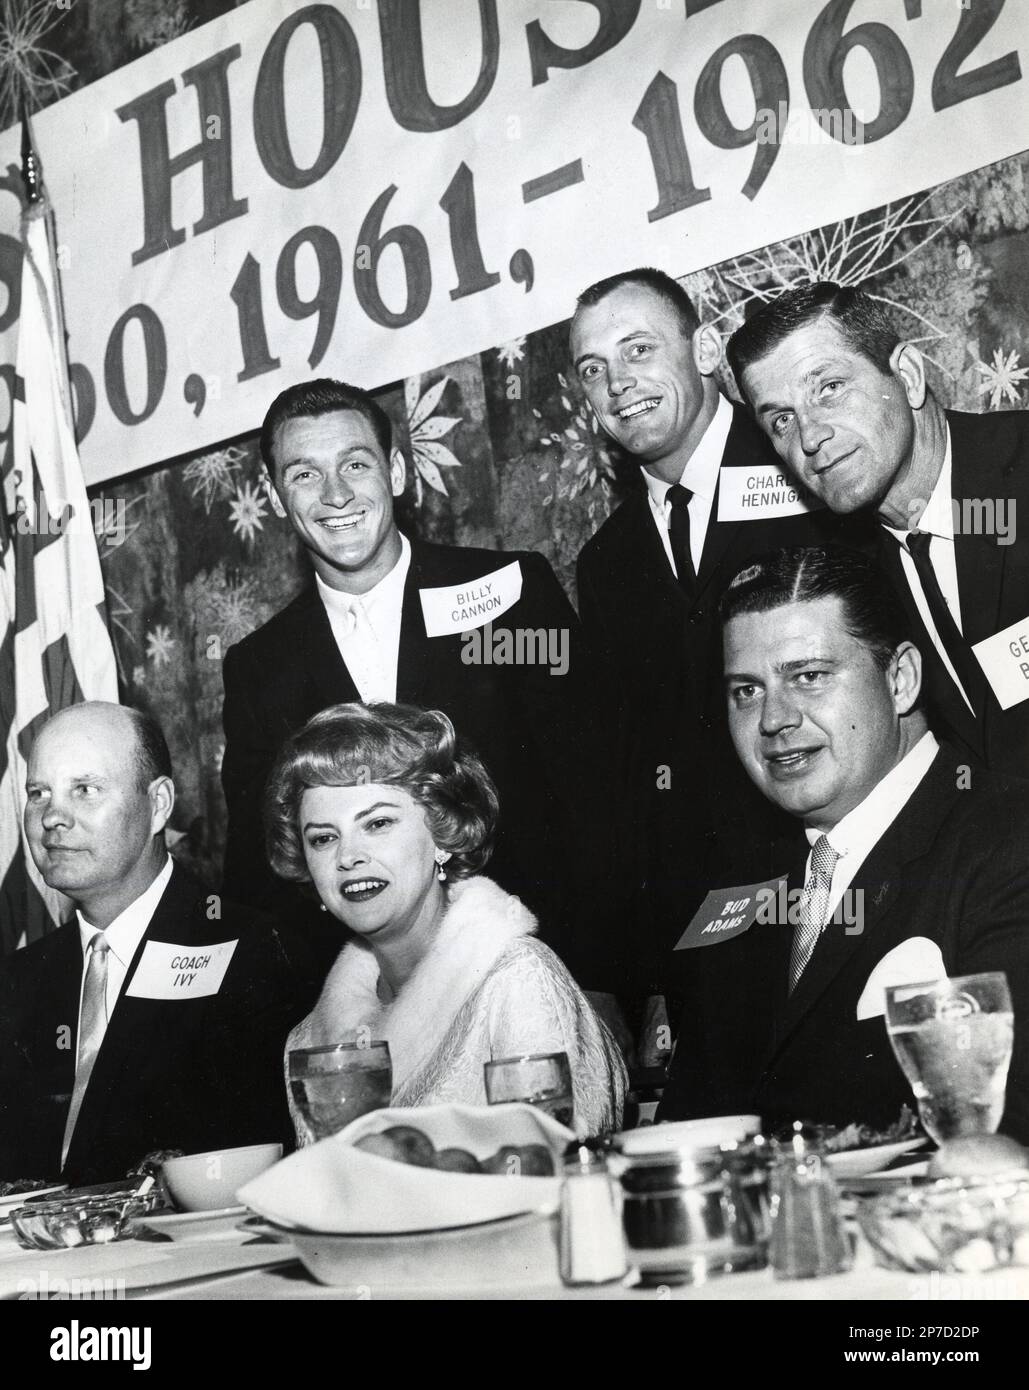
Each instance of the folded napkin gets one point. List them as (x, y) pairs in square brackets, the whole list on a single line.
[(333, 1188)]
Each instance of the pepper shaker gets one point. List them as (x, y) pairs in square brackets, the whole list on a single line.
[(808, 1236), (592, 1243)]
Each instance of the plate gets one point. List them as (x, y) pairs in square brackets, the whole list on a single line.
[(194, 1225), (21, 1199), (858, 1163)]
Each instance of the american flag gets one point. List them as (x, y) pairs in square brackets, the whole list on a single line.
[(55, 649)]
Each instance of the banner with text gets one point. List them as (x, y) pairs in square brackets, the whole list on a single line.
[(368, 191)]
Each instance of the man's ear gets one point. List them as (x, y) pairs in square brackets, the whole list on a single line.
[(271, 493), (397, 473), (162, 802), (907, 363), (906, 677), (707, 349)]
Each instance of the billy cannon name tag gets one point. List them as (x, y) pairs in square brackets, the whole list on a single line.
[(1005, 659), (755, 494), (727, 912), (167, 971), (461, 607)]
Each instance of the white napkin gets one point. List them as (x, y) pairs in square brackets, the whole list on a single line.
[(914, 962), (331, 1187)]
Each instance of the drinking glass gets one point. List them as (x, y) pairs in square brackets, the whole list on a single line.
[(953, 1041), (333, 1085), (542, 1079)]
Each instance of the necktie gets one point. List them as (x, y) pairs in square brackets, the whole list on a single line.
[(968, 671), (678, 497), (361, 653), (92, 1026), (813, 907)]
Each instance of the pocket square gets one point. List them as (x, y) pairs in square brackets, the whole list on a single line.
[(913, 961)]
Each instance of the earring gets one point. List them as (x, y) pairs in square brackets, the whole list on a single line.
[(322, 907), (441, 856)]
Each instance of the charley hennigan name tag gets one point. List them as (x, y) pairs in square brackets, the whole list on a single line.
[(167, 971), (1005, 659), (754, 494), (462, 607), (727, 912)]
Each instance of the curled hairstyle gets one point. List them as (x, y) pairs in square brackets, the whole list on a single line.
[(861, 321), (669, 290), (799, 574), (322, 397), (397, 745)]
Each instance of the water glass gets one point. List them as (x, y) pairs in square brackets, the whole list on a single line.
[(543, 1079), (333, 1085)]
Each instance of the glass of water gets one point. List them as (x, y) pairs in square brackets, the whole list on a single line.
[(333, 1085), (542, 1079), (953, 1040)]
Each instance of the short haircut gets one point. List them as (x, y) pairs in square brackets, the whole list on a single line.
[(399, 745), (860, 320), (151, 754), (322, 397), (872, 612), (669, 290)]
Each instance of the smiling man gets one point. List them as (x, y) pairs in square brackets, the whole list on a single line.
[(786, 1016), (710, 494), (846, 404), (383, 621)]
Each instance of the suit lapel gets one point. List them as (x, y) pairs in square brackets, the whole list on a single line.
[(977, 473), (416, 650), (326, 673)]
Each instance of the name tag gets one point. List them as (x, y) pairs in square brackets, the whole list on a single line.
[(167, 971), (1005, 659), (462, 607), (752, 494), (725, 913)]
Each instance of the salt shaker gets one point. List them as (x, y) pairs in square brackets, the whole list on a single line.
[(808, 1236), (592, 1244)]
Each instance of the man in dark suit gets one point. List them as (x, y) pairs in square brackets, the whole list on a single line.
[(156, 1018), (913, 865), (710, 495), (431, 625), (846, 404)]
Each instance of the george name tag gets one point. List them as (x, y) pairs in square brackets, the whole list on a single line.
[(1004, 658), (167, 971), (462, 607), (752, 494), (727, 912)]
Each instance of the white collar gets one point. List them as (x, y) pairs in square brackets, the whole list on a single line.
[(127, 930), (389, 588), (862, 828), (701, 472), (938, 517)]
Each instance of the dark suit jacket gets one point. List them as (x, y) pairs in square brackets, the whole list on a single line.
[(190, 1074), (953, 867), (990, 462), (662, 655), (524, 722)]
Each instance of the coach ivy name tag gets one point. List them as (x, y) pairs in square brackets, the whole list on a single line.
[(758, 493), (167, 971), (1005, 659), (457, 608), (727, 912)]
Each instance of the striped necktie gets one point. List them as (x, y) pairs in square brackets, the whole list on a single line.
[(92, 1026), (813, 907)]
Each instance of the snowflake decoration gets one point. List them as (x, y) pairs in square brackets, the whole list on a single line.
[(584, 461), (230, 608), (425, 430), (212, 475), (29, 73), (150, 23), (159, 644), (246, 512), (512, 352), (1001, 378), (138, 675)]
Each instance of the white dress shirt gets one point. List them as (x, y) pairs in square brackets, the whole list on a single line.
[(701, 477), (856, 835), (123, 937), (938, 521), (367, 629)]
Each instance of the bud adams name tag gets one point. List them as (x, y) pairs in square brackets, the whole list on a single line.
[(167, 971), (462, 607), (754, 494), (1005, 659), (726, 913)]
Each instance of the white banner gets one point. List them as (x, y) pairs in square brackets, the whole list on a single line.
[(338, 189)]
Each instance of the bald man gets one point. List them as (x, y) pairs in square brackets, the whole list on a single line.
[(156, 1017)]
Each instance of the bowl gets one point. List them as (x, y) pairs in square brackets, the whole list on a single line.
[(66, 1222), (954, 1225), (208, 1181), (701, 1134)]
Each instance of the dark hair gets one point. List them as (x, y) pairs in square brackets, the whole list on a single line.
[(151, 754), (799, 574), (322, 397), (399, 745), (669, 290), (862, 322)]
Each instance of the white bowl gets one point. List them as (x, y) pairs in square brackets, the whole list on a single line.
[(208, 1181)]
